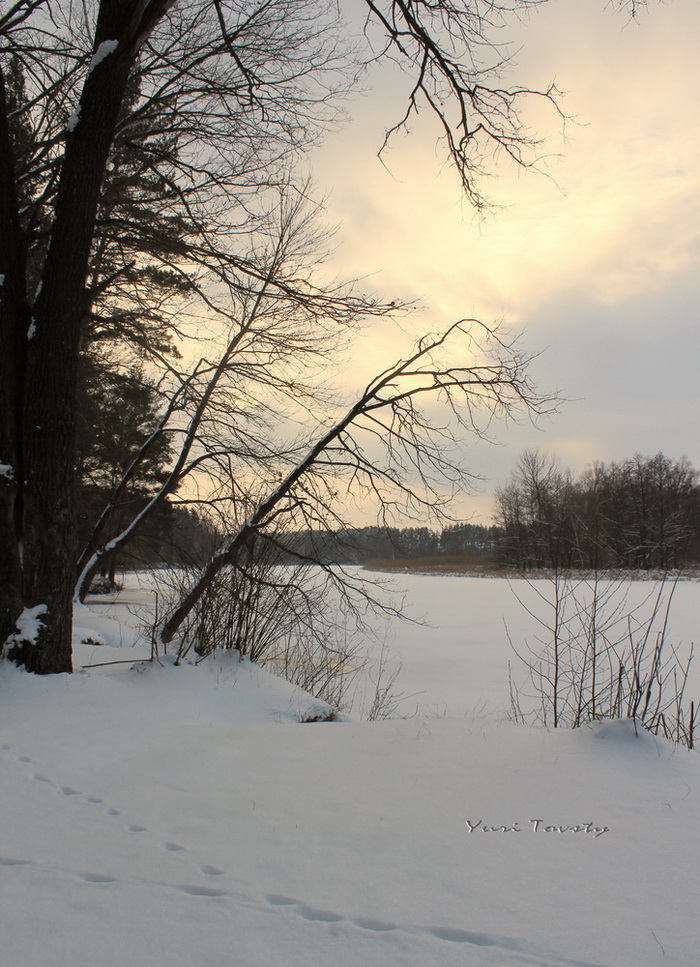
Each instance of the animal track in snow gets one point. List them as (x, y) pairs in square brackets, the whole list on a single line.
[(280, 901), (96, 878), (326, 916), (208, 891), (367, 923), (283, 905), (85, 877), (524, 953)]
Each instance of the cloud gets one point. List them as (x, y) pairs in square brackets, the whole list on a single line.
[(598, 261)]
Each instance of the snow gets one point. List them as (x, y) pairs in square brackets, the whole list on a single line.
[(73, 119), (456, 661), (29, 624), (31, 332), (170, 815), (7, 470), (106, 48)]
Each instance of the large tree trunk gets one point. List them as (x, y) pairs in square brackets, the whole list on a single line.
[(14, 324), (48, 431)]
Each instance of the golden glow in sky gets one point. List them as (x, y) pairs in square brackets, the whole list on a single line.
[(597, 259)]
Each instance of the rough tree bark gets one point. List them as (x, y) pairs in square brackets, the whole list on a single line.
[(14, 324)]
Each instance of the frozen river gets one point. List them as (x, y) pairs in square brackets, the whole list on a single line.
[(453, 656), (456, 663)]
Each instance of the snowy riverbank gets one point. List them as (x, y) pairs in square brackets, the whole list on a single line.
[(168, 816)]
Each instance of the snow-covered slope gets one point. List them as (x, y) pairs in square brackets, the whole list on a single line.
[(164, 816)]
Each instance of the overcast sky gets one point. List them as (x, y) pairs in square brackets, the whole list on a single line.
[(598, 263)]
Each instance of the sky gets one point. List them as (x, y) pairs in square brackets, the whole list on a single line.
[(595, 260)]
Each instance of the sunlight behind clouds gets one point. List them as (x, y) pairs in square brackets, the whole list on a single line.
[(623, 188), (605, 240)]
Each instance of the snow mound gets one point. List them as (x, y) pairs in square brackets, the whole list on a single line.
[(627, 738), (623, 731)]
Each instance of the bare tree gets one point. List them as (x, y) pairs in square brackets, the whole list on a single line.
[(454, 68), (246, 113), (224, 412), (536, 511), (416, 462)]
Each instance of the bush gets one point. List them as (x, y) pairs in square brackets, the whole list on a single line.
[(297, 620), (602, 658)]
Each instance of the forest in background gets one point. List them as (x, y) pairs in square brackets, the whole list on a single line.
[(641, 513)]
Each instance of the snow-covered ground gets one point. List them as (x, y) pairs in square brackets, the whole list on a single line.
[(456, 662), (164, 816)]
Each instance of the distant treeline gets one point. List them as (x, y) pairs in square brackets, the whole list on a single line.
[(177, 536), (642, 513), (363, 544)]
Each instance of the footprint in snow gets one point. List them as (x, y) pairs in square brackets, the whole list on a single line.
[(454, 935), (64, 790), (96, 878), (173, 847), (208, 891), (6, 861), (449, 934), (325, 916), (366, 923), (211, 871)]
